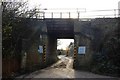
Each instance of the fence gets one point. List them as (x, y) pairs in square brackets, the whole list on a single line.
[(10, 66)]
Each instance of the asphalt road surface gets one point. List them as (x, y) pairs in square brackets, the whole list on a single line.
[(62, 69)]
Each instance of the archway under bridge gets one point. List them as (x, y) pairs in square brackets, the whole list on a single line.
[(66, 29), (57, 29)]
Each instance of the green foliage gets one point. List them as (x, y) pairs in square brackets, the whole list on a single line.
[(7, 32), (14, 24), (71, 48), (10, 25)]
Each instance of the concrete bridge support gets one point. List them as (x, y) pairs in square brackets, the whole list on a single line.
[(51, 55), (82, 61)]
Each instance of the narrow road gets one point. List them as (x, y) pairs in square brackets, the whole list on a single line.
[(62, 69)]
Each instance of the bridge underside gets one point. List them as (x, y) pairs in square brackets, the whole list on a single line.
[(60, 28), (62, 34)]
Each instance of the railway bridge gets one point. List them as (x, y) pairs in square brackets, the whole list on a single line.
[(43, 35)]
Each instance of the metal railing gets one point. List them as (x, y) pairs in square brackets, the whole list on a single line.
[(77, 13)]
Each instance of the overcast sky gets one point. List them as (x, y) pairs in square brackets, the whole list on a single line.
[(64, 43), (83, 5), (88, 4)]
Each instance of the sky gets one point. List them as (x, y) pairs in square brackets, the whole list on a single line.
[(83, 4), (88, 4), (64, 43)]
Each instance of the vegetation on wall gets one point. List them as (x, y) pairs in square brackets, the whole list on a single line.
[(107, 59)]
